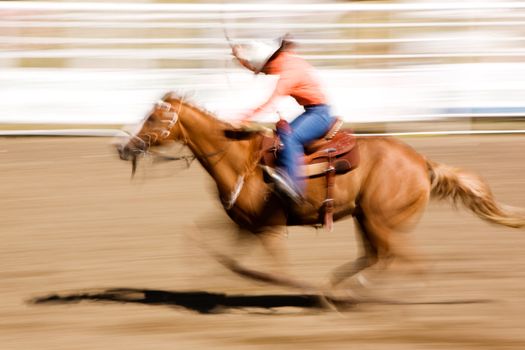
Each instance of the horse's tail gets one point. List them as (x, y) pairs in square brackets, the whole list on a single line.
[(474, 193)]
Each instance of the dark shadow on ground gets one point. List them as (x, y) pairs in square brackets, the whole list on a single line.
[(205, 302), (199, 301)]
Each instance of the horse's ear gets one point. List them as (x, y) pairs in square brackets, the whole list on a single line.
[(170, 95)]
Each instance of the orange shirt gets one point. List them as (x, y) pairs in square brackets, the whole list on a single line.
[(296, 79)]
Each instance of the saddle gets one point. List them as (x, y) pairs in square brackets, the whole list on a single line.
[(336, 153)]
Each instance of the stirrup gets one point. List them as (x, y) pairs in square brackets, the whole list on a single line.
[(284, 185)]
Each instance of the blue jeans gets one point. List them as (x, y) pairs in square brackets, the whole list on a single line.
[(311, 125)]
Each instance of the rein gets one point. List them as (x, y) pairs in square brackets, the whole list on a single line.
[(188, 159), (158, 156)]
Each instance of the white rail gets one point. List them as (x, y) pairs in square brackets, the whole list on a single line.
[(250, 25), (65, 132), (223, 54), (30, 40), (120, 133), (270, 7), (98, 96)]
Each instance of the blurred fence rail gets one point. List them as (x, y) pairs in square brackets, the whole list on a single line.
[(326, 32), (258, 7), (102, 132), (106, 62)]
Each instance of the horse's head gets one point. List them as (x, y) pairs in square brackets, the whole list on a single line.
[(159, 127)]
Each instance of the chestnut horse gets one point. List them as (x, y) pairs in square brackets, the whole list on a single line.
[(386, 194)]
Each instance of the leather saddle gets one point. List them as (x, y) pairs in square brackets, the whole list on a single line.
[(337, 148), (336, 153)]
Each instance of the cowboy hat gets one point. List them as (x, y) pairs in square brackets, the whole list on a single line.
[(257, 53)]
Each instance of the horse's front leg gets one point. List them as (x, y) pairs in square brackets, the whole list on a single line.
[(273, 240)]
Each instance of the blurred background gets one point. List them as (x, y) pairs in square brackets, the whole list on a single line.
[(104, 63)]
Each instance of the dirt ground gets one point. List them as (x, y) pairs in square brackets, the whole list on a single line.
[(92, 260)]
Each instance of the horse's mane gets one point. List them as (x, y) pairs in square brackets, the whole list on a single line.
[(189, 101), (229, 130)]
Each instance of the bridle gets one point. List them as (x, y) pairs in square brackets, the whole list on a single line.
[(164, 132)]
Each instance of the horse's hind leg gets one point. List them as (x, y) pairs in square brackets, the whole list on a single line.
[(369, 255), (387, 227), (381, 237)]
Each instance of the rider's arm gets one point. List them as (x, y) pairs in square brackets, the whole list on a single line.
[(283, 88)]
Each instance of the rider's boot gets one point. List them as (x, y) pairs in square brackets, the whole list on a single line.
[(284, 184)]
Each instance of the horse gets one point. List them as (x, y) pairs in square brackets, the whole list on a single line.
[(385, 195)]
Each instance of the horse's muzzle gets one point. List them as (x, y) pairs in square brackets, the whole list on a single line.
[(124, 151)]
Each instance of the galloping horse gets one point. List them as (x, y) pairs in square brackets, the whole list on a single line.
[(386, 194)]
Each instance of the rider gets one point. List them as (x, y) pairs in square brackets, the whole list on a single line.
[(296, 79)]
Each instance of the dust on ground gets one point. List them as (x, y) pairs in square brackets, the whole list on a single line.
[(111, 263)]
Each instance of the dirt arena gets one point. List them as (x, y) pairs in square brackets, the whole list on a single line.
[(92, 260)]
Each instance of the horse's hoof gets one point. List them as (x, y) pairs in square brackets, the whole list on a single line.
[(340, 302)]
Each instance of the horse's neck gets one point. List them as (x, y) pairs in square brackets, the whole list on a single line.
[(225, 160)]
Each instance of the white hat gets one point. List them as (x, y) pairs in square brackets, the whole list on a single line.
[(257, 53)]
